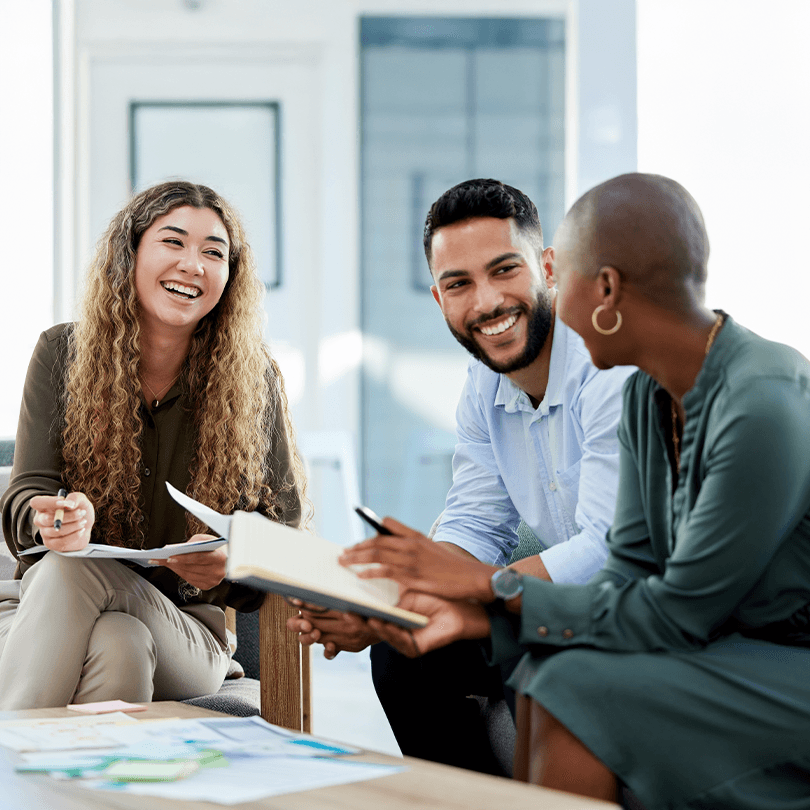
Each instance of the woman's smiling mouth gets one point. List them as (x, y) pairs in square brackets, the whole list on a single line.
[(181, 289)]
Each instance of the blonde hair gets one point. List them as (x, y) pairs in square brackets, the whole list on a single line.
[(233, 385)]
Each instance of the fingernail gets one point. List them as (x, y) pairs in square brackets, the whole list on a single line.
[(82, 524), (170, 559), (153, 562), (82, 512)]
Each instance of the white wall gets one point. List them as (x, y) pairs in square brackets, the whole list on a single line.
[(723, 108), (26, 198)]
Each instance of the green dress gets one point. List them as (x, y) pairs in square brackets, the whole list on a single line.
[(685, 664)]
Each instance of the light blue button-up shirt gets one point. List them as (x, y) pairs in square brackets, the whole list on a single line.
[(556, 466)]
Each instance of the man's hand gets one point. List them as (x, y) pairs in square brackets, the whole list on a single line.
[(419, 564), (203, 569), (449, 621), (335, 630), (533, 566), (77, 522)]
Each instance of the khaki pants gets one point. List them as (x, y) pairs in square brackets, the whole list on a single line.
[(81, 631)]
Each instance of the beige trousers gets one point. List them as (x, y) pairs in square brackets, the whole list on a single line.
[(88, 630)]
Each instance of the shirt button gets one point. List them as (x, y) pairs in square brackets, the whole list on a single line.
[(542, 632), (147, 472), (568, 633), (552, 486)]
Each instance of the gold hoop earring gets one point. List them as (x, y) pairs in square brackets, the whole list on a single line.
[(599, 328)]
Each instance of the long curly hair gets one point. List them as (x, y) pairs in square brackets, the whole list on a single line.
[(233, 385)]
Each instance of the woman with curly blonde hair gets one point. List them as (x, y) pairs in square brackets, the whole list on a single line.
[(164, 378)]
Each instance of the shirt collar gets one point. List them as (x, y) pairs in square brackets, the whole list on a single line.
[(513, 398), (713, 364), (712, 368)]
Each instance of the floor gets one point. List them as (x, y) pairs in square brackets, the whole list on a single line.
[(344, 704)]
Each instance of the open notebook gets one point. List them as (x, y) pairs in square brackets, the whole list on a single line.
[(280, 559)]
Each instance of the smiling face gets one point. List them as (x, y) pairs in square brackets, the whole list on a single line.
[(181, 269), (493, 292)]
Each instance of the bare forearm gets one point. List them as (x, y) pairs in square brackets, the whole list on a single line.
[(532, 566), (456, 549)]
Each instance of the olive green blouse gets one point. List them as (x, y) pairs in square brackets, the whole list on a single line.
[(167, 447), (724, 546)]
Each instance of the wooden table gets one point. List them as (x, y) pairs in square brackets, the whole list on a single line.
[(423, 785)]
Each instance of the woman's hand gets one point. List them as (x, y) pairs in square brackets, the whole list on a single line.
[(77, 521), (449, 621), (203, 569), (419, 564)]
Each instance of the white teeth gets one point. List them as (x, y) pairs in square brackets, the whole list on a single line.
[(489, 331), (191, 292)]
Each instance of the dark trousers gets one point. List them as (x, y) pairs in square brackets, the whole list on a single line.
[(428, 704)]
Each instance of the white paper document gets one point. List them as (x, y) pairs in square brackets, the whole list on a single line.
[(254, 759), (221, 524), (64, 734), (251, 779), (98, 551)]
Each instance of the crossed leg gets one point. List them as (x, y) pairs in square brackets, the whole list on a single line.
[(89, 630)]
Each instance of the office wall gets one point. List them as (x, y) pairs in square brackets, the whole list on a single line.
[(26, 194), (723, 108)]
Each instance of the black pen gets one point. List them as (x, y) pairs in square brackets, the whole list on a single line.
[(60, 513)]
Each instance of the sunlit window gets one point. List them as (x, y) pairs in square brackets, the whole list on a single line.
[(442, 100)]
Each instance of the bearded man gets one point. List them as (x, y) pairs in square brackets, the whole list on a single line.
[(536, 429)]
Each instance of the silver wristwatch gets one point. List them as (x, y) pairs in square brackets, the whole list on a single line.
[(506, 583)]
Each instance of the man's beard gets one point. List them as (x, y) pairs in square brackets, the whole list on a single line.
[(539, 321)]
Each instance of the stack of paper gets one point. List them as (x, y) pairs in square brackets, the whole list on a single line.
[(225, 760)]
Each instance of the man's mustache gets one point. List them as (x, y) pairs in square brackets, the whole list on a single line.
[(498, 312)]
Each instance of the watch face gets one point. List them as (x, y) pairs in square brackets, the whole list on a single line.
[(507, 583)]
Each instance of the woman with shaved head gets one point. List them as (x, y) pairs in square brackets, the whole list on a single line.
[(683, 668)]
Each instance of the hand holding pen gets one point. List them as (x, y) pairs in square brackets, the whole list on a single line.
[(63, 521), (60, 513)]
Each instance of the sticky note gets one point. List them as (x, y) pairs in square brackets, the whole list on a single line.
[(149, 770), (106, 706)]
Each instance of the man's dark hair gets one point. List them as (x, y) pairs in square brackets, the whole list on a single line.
[(483, 198)]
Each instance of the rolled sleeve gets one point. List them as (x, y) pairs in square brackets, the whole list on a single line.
[(479, 515), (598, 410)]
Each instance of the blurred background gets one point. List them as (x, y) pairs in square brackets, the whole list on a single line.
[(333, 125)]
